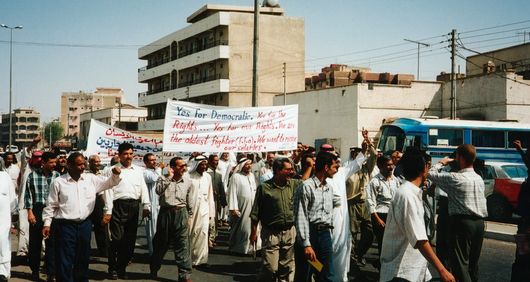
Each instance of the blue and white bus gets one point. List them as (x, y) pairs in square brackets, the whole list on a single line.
[(440, 137)]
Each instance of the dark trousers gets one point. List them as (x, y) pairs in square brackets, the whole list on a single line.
[(172, 229), (360, 223), (301, 267), (521, 265), (123, 227), (379, 232), (442, 239), (321, 243), (73, 252), (466, 234), (99, 229), (35, 244)]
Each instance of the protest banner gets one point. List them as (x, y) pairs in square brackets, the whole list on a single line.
[(193, 127), (103, 140)]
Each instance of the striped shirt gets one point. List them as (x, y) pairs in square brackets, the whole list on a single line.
[(38, 187), (380, 193), (313, 204), (465, 190)]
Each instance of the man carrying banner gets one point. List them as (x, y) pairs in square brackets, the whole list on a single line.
[(203, 209), (151, 175), (218, 194), (121, 207), (94, 163)]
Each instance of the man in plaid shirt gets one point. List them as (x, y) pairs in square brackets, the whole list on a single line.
[(467, 210), (38, 185)]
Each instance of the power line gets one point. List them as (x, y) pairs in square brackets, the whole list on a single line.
[(494, 27)]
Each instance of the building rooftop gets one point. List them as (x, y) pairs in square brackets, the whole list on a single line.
[(210, 9), (501, 49)]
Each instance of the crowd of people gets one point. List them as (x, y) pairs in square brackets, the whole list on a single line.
[(310, 214)]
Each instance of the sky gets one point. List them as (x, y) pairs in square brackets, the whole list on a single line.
[(74, 45)]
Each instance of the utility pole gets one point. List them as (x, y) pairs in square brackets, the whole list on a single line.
[(284, 83), (255, 55), (119, 114), (453, 75), (419, 45)]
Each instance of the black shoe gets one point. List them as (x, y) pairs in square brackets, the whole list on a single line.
[(35, 276), (113, 275), (123, 275), (154, 274), (3, 278)]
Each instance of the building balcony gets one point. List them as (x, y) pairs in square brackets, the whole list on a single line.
[(201, 48), (217, 84), (199, 58)]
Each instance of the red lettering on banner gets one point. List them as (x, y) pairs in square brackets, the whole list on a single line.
[(184, 126)]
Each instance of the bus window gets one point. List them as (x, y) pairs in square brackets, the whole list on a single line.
[(524, 137), (392, 138), (487, 138), (413, 141), (445, 137)]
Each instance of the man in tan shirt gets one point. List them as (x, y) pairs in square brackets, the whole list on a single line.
[(360, 222)]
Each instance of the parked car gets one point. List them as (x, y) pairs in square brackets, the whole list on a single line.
[(502, 185), (13, 148)]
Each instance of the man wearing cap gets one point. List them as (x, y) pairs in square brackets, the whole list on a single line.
[(241, 193), (203, 209), (360, 222)]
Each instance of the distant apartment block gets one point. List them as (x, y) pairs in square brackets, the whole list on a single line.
[(210, 60), (25, 127), (73, 104)]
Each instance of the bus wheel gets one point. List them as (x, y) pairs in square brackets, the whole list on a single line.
[(498, 207)]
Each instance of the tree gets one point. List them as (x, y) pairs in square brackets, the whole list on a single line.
[(56, 130)]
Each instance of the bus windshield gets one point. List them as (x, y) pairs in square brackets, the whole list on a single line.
[(392, 139)]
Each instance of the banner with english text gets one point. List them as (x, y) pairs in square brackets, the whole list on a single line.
[(103, 140), (191, 127)]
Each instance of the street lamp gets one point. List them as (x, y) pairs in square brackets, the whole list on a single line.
[(10, 79)]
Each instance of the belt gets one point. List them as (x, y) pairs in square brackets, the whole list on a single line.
[(67, 221), (322, 226), (172, 208), (278, 227), (126, 200)]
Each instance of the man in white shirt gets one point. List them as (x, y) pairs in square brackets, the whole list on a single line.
[(406, 249), (121, 208), (70, 203)]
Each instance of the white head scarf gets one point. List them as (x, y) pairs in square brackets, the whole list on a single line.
[(195, 163), (241, 163)]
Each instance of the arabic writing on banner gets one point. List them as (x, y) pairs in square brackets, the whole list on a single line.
[(103, 140), (193, 127)]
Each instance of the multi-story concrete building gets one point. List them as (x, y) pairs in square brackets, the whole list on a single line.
[(210, 60), (127, 117), (25, 127), (73, 104)]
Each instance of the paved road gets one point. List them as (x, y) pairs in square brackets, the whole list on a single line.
[(495, 265)]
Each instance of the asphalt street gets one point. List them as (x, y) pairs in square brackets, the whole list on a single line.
[(495, 264)]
